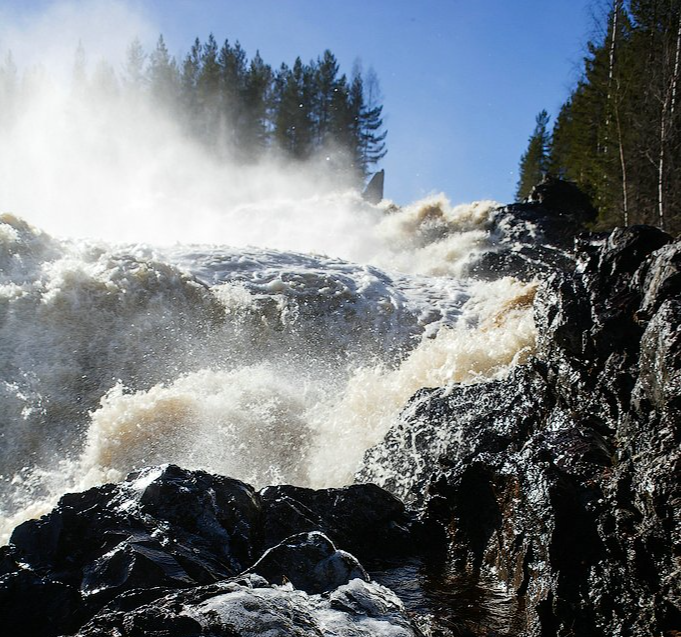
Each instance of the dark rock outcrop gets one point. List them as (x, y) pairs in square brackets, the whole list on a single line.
[(564, 199), (561, 482), (127, 545), (535, 237), (373, 193)]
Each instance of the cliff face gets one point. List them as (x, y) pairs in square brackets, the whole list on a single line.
[(561, 482), (557, 487)]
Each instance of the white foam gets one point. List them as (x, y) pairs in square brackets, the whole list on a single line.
[(266, 365)]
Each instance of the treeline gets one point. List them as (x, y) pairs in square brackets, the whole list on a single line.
[(618, 136), (238, 107)]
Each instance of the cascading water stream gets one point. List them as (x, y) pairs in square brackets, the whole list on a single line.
[(271, 366)]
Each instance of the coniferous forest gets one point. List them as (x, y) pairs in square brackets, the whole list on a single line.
[(240, 109), (618, 136)]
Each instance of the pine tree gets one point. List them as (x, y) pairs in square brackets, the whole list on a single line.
[(371, 136), (534, 162), (163, 77), (208, 109), (191, 69), (294, 101), (135, 78), (79, 70), (254, 130), (326, 86), (9, 84), (233, 68), (105, 83)]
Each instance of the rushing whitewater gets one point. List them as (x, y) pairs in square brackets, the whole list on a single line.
[(264, 364)]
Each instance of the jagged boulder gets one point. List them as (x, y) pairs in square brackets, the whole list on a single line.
[(166, 528), (535, 237), (560, 482)]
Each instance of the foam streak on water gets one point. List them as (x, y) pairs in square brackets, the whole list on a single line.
[(266, 365)]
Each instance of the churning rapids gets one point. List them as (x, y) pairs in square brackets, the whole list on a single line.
[(267, 365)]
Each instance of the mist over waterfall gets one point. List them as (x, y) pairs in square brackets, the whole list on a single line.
[(256, 363)]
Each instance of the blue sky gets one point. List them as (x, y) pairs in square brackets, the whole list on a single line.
[(462, 81)]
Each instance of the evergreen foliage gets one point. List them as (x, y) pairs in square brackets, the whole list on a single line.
[(239, 107), (618, 136), (163, 78), (534, 162)]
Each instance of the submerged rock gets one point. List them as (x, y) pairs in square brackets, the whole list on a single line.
[(561, 482)]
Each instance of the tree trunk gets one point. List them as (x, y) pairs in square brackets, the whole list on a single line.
[(666, 122), (623, 166)]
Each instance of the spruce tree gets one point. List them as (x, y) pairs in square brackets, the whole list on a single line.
[(134, 74), (294, 103), (208, 108), (371, 136), (9, 83), (233, 69), (254, 129), (80, 80), (191, 69), (326, 86), (534, 162), (163, 77)]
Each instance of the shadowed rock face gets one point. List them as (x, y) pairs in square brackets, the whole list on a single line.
[(562, 481)]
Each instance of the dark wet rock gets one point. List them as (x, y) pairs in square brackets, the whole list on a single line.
[(564, 199), (310, 562), (165, 528), (363, 519), (535, 237), (250, 607), (30, 604), (560, 482), (373, 193), (161, 527), (660, 278)]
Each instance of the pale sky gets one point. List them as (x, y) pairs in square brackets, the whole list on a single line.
[(462, 82)]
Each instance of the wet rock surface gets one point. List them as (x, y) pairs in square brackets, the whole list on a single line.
[(250, 607), (560, 484), (535, 237), (117, 552)]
